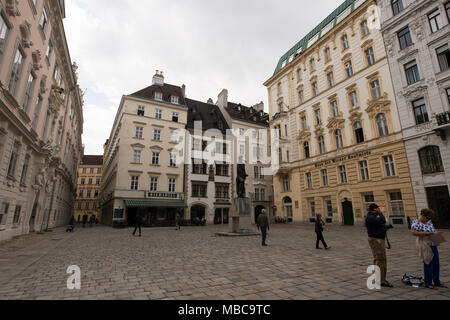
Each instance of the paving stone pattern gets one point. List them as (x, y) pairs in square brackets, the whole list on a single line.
[(195, 264)]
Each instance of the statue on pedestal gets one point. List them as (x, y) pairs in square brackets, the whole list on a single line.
[(240, 179)]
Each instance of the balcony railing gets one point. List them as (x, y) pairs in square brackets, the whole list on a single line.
[(443, 118)]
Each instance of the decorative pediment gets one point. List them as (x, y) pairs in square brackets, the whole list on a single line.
[(36, 56), (25, 32), (12, 8), (380, 105), (304, 135), (314, 78), (316, 106), (355, 115), (329, 69), (373, 76), (367, 43), (319, 130), (346, 56), (335, 123), (138, 145), (415, 92), (351, 88), (158, 148), (332, 97)]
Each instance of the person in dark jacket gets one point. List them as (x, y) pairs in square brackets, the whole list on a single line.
[(85, 220), (319, 232), (138, 224), (376, 229), (263, 224)]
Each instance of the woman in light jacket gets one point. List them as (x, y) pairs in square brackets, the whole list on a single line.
[(423, 228)]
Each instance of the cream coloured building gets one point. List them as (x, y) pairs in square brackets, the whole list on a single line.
[(41, 118), (332, 101), (142, 172)]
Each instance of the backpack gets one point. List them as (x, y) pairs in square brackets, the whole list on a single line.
[(412, 280)]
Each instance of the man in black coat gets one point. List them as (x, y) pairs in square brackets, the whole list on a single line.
[(319, 232), (138, 224)]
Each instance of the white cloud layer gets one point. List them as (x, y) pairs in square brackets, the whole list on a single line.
[(208, 45)]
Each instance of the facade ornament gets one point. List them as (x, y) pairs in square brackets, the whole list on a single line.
[(380, 105), (415, 93), (36, 56), (56, 99), (355, 115), (304, 135), (335, 123), (25, 32), (12, 8), (417, 26), (75, 71), (43, 87)]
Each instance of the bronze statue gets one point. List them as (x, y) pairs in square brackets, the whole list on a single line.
[(240, 179)]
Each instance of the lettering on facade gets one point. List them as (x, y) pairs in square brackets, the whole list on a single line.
[(163, 195), (345, 158)]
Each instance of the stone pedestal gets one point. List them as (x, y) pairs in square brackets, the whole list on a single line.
[(240, 215)]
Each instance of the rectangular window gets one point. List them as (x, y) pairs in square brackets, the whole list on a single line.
[(420, 111), (139, 132), (447, 9), (312, 208), (375, 89), (91, 170), (348, 69), (370, 57), (4, 30), (174, 99), (83, 181), (312, 65), (443, 54), (134, 183), (49, 50), (257, 172), (157, 135), (330, 79), (28, 92), (404, 38), (37, 112), (173, 160), (97, 181), (368, 200), (222, 170), (342, 174), (137, 156), (364, 170), (158, 96), (299, 74), (308, 180), (99, 170), (397, 6), (141, 111), (175, 116), (90, 181), (344, 43), (88, 194), (329, 207), (155, 158), (15, 72), (353, 100), (26, 164), (396, 203), (304, 123), (13, 160), (301, 96), (172, 184), (286, 183), (314, 89), (412, 72), (324, 174), (364, 28), (321, 143), (389, 166), (44, 20), (327, 55), (199, 190), (153, 184), (4, 213), (334, 109), (434, 18), (158, 114), (318, 117)]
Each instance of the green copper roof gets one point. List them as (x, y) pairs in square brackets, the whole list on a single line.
[(329, 23)]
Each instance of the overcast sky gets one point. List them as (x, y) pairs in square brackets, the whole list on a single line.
[(208, 45)]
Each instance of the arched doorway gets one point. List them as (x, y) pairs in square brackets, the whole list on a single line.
[(198, 211), (287, 208), (347, 211), (258, 210)]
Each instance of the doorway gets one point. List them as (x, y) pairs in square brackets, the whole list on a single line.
[(439, 201), (198, 212), (347, 209)]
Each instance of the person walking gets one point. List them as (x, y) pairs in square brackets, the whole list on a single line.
[(424, 230), (91, 221), (319, 232), (263, 224), (85, 220), (177, 221), (376, 229), (138, 224)]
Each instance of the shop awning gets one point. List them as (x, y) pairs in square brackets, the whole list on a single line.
[(154, 204)]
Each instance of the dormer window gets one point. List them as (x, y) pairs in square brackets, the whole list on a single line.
[(158, 96), (175, 116), (174, 99)]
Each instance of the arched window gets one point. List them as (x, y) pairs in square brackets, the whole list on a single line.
[(359, 133), (382, 125), (306, 149), (287, 206), (430, 160), (338, 138)]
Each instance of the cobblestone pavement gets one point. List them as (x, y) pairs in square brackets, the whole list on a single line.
[(195, 264)]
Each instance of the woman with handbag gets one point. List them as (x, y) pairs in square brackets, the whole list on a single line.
[(424, 230)]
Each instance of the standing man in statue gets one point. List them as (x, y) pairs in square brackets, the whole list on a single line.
[(263, 224), (240, 178)]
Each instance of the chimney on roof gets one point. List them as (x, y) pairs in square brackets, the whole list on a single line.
[(210, 101), (158, 78), (223, 99), (259, 106), (183, 90)]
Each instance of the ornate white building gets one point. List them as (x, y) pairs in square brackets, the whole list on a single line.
[(41, 119), (416, 34)]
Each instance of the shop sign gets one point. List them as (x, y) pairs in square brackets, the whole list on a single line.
[(344, 158)]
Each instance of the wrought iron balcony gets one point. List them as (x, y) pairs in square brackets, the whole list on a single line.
[(443, 118)]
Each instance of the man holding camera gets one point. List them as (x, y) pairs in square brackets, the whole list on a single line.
[(376, 229)]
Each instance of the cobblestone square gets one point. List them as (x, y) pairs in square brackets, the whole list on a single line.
[(195, 264)]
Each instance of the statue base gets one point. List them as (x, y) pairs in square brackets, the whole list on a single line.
[(240, 216)]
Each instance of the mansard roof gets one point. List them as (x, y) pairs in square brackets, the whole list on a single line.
[(209, 114), (246, 114), (167, 90)]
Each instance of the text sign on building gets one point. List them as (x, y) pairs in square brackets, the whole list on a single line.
[(345, 158), (164, 195), (118, 213)]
